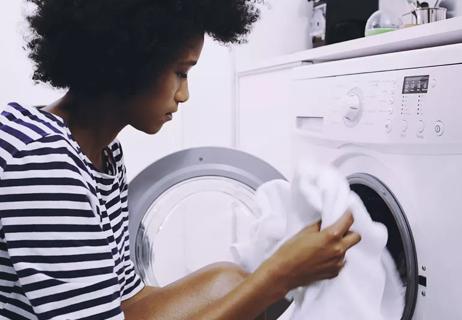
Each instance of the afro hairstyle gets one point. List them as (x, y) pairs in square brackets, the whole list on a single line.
[(119, 46)]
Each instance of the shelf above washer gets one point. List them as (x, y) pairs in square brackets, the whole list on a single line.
[(423, 36)]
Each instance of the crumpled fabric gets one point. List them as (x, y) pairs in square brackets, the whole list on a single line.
[(367, 288)]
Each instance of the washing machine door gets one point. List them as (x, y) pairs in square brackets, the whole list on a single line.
[(383, 206), (187, 208)]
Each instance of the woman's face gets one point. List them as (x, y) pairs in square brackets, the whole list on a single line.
[(149, 110)]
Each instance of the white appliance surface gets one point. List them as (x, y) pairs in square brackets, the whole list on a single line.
[(392, 123)]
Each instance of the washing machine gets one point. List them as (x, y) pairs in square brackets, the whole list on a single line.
[(392, 124), (187, 208)]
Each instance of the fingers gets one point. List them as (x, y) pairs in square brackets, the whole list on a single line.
[(335, 267), (351, 239), (342, 225), (313, 227)]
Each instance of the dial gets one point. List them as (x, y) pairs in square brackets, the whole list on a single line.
[(352, 107)]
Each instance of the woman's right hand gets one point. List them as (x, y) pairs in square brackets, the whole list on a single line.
[(312, 254)]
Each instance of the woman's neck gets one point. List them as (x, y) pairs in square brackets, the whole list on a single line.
[(94, 123)]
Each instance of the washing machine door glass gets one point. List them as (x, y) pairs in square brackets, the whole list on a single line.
[(192, 224), (189, 207)]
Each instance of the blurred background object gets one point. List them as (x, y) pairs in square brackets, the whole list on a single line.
[(318, 23), (424, 15), (422, 12), (382, 21), (404, 8), (346, 20)]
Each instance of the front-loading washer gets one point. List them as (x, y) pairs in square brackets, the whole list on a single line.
[(187, 208), (392, 125)]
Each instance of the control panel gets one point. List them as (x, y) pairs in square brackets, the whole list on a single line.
[(405, 106)]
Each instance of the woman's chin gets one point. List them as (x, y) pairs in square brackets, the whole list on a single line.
[(149, 129), (153, 130)]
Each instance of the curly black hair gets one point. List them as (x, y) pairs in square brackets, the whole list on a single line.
[(118, 46)]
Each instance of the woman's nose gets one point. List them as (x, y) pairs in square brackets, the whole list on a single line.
[(182, 95)]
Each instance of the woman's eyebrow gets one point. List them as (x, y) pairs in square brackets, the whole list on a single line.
[(189, 62)]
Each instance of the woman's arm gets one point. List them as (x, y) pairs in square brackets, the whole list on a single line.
[(309, 256), (188, 296)]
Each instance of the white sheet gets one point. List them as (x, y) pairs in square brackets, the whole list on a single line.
[(368, 287)]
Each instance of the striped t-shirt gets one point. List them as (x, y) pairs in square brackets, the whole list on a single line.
[(64, 245)]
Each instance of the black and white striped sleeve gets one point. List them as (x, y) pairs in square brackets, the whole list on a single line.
[(53, 235)]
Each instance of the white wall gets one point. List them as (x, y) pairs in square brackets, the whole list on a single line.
[(207, 116), (454, 7), (15, 68), (282, 29)]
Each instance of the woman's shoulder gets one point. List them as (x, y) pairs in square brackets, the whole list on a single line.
[(22, 125), (26, 133)]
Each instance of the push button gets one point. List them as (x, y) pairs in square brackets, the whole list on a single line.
[(420, 128), (404, 126), (388, 126), (439, 128)]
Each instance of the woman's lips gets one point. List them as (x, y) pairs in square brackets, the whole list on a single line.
[(168, 116)]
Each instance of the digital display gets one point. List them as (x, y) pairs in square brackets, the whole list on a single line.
[(415, 84)]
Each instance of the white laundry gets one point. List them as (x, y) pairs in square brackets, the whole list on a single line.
[(368, 287)]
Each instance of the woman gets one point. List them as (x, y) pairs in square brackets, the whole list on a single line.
[(64, 249)]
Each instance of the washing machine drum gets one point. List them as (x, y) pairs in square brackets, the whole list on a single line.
[(187, 208)]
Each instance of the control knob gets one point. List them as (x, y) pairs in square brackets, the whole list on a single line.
[(352, 107)]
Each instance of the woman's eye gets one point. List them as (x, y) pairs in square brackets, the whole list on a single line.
[(182, 75)]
